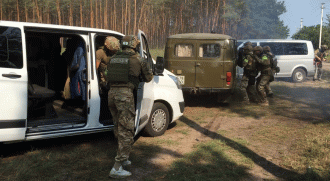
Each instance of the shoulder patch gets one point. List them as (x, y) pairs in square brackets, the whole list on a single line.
[(264, 57)]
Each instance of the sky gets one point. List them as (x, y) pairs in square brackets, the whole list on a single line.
[(309, 10)]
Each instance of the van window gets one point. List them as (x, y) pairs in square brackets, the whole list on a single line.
[(275, 47), (295, 49), (184, 50), (209, 50), (10, 48)]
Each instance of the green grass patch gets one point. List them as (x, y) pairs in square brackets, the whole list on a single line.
[(156, 53), (164, 142), (312, 150), (213, 160), (184, 132)]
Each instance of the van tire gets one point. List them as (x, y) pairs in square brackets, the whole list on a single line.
[(299, 75), (158, 121)]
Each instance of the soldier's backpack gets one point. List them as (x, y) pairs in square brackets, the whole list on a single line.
[(118, 70)]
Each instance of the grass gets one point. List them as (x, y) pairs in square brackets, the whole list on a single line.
[(156, 53), (210, 161)]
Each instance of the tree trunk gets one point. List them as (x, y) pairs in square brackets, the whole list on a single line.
[(92, 14), (81, 14), (135, 15), (26, 13), (70, 14), (58, 12), (17, 10), (106, 16)]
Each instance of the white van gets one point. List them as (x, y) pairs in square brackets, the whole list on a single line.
[(295, 57), (33, 72)]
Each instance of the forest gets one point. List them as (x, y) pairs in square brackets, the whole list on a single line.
[(241, 19)]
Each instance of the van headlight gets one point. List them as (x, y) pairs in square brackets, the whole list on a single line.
[(176, 80)]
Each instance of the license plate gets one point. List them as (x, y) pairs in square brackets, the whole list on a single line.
[(181, 79)]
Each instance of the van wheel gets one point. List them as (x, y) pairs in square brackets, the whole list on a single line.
[(158, 120), (299, 75)]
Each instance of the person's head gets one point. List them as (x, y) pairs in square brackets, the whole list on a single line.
[(257, 50), (324, 47), (247, 43), (130, 41), (266, 49), (112, 43), (247, 49)]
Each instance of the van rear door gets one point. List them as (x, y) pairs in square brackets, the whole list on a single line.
[(209, 64), (14, 84)]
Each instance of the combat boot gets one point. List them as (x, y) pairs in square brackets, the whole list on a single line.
[(120, 173)]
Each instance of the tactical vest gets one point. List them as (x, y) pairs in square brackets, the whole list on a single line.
[(118, 70)]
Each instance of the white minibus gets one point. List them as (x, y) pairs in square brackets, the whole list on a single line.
[(295, 57), (35, 64)]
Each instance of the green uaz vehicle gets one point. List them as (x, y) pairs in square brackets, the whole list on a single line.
[(204, 63)]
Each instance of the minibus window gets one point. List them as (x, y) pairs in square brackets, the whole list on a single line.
[(184, 50), (295, 49), (275, 48), (209, 50), (10, 48)]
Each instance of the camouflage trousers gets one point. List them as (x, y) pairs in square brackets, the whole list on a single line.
[(247, 87), (122, 108), (318, 71), (262, 82)]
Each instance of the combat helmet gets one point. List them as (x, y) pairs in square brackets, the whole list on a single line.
[(112, 43), (130, 41), (247, 49), (257, 50), (266, 49), (247, 43), (324, 47)]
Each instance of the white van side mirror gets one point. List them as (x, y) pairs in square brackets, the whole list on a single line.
[(159, 68)]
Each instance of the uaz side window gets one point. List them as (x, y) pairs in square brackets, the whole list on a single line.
[(184, 50), (209, 50)]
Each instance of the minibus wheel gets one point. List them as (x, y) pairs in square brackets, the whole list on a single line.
[(299, 75), (158, 120)]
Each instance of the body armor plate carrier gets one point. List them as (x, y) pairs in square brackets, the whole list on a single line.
[(118, 70)]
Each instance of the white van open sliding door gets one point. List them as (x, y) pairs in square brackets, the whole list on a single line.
[(13, 84)]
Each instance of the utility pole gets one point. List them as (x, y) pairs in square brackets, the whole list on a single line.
[(321, 25), (301, 21)]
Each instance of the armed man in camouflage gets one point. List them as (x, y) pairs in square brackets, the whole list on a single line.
[(263, 65), (125, 71), (103, 55), (320, 55), (274, 68), (249, 74)]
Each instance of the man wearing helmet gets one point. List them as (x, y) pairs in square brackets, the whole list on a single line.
[(263, 65), (124, 72), (103, 55), (320, 55), (274, 68), (249, 74)]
